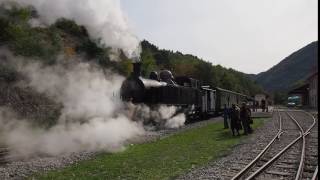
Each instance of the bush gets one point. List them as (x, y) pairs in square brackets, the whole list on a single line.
[(19, 14), (33, 42), (71, 27), (3, 29)]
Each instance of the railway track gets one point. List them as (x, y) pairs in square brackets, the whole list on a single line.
[(290, 154)]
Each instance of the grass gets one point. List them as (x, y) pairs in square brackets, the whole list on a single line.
[(163, 159)]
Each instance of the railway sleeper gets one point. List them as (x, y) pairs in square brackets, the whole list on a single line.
[(279, 173), (286, 166), (309, 169), (306, 175), (311, 163), (289, 162)]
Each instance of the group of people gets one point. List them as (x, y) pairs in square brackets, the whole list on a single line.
[(238, 118)]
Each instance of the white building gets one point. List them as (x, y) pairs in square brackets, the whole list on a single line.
[(259, 97)]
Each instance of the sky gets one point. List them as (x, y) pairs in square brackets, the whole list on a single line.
[(247, 35)]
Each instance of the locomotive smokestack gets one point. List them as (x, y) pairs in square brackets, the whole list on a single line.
[(136, 69)]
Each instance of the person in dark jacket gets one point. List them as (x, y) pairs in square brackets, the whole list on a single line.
[(234, 120), (245, 118), (263, 105), (225, 116)]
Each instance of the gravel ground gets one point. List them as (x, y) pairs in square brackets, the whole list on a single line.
[(22, 169)]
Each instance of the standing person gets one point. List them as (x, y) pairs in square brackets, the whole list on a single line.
[(250, 121), (253, 106), (225, 116), (267, 109), (263, 105), (234, 120), (244, 117)]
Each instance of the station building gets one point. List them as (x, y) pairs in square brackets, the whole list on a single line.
[(302, 93), (308, 92), (313, 90)]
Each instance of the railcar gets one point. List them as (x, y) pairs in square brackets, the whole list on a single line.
[(227, 97)]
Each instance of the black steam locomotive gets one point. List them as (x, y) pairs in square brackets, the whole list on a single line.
[(195, 100)]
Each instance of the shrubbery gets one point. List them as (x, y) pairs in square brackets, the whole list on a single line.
[(16, 32), (71, 27)]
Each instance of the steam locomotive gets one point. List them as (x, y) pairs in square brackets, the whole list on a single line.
[(186, 93)]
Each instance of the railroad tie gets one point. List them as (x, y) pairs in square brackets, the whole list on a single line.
[(279, 173)]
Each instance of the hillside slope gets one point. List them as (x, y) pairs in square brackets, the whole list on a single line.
[(291, 70), (181, 64), (67, 43)]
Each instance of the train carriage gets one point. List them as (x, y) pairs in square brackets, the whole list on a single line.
[(227, 97)]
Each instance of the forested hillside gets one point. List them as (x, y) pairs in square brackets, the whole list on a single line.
[(154, 58), (22, 36), (291, 71)]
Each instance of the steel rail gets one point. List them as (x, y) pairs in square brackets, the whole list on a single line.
[(257, 172), (302, 135), (277, 136), (315, 174), (303, 152), (314, 121)]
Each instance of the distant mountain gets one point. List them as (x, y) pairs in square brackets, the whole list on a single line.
[(290, 71)]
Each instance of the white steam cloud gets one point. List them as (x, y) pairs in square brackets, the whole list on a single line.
[(92, 118), (163, 116), (148, 83), (99, 134), (103, 19)]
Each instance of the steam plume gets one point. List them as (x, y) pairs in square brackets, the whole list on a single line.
[(92, 119), (103, 19)]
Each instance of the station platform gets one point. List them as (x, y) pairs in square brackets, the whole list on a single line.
[(260, 114)]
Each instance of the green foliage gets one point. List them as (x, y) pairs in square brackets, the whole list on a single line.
[(22, 39), (4, 23), (91, 49), (32, 42), (163, 159), (148, 62), (124, 67), (71, 27), (20, 14)]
